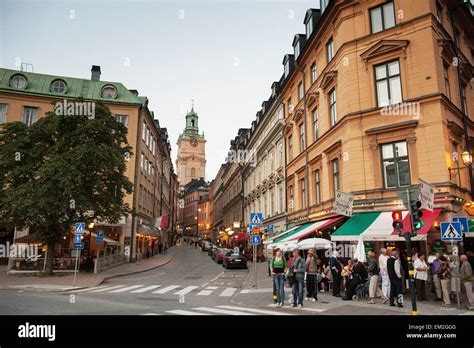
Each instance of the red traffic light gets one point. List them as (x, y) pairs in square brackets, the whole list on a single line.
[(396, 215)]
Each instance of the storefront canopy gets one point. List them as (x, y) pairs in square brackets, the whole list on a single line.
[(280, 235), (308, 229), (377, 226)]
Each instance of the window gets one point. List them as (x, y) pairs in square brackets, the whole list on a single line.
[(446, 80), (313, 72), (332, 107), (290, 107), (317, 188), (382, 17), (315, 124), (330, 49), (335, 174), (290, 192), (144, 131), (395, 165), (309, 26), (280, 155), (439, 13), (388, 84), (109, 92), (142, 163), (3, 113), (301, 137), (58, 86), (29, 115), (123, 119), (280, 194), (193, 172), (287, 68), (18, 81), (463, 97), (290, 147), (303, 194), (147, 136), (323, 5), (297, 50), (272, 162), (300, 91)]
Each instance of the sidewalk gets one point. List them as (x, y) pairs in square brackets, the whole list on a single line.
[(64, 282), (262, 297)]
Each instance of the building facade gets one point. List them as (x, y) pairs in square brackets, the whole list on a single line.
[(194, 191)]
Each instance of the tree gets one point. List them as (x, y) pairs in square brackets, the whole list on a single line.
[(61, 170)]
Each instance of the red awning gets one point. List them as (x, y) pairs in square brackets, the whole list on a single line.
[(239, 236), (428, 217), (314, 227)]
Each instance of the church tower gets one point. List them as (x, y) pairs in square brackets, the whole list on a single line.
[(191, 160)]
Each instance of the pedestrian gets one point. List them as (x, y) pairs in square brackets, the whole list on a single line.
[(195, 244), (470, 258), (435, 265), (444, 276), (394, 270), (373, 270), (297, 269), (346, 274), (336, 269), (414, 254), (467, 279), (311, 276), (421, 276), (278, 266), (322, 271), (384, 275), (358, 276)]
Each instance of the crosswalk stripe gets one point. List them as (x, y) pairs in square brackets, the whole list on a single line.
[(186, 290), (151, 314), (212, 288), (204, 292), (165, 290), (148, 288), (127, 288), (254, 310), (183, 312), (228, 292), (93, 288), (222, 311), (108, 288)]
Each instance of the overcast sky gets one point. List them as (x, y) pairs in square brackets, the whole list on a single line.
[(223, 54)]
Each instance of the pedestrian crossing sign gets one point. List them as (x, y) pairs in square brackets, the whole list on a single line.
[(256, 219), (451, 231), (80, 227)]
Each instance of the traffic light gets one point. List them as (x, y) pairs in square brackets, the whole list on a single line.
[(397, 221), (416, 215)]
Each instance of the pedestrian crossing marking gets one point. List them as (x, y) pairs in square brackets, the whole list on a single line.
[(148, 288), (165, 290), (186, 290), (151, 314), (127, 288), (204, 292), (222, 311), (212, 287), (183, 312), (108, 288), (228, 292), (89, 289), (254, 310)]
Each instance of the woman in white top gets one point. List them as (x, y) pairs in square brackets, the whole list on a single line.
[(421, 276), (384, 275)]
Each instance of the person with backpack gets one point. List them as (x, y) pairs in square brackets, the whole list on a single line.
[(296, 271), (278, 266)]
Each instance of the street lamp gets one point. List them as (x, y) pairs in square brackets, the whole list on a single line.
[(466, 158)]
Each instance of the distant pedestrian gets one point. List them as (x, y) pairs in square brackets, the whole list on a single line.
[(435, 265), (297, 269), (444, 276), (278, 266), (336, 269), (374, 271), (467, 279), (421, 276), (358, 276), (311, 276), (394, 269), (346, 274), (384, 275)]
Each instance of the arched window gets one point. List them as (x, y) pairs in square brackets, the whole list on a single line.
[(192, 123), (193, 172)]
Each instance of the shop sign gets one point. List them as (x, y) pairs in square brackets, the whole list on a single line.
[(438, 246)]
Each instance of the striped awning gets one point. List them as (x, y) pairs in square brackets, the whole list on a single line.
[(310, 228), (377, 226), (280, 235)]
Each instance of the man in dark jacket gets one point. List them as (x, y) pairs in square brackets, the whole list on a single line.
[(336, 269), (394, 271), (358, 276)]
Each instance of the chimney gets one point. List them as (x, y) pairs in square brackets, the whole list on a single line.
[(95, 73)]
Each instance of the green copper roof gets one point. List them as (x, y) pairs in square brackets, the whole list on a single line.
[(40, 84)]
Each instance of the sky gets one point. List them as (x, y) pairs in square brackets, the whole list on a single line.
[(222, 54)]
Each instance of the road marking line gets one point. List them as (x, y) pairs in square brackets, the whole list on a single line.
[(182, 312), (186, 290), (222, 311), (139, 291), (217, 277), (256, 291), (205, 292), (165, 290), (127, 288), (254, 310), (228, 292), (89, 289), (319, 310), (203, 285), (151, 314), (212, 288), (108, 288)]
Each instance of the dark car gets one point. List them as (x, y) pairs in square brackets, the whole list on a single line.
[(206, 246), (218, 256), (232, 260)]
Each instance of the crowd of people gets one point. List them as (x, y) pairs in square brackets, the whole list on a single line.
[(380, 277)]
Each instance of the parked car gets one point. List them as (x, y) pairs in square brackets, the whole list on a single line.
[(205, 246), (232, 260), (219, 254), (212, 249)]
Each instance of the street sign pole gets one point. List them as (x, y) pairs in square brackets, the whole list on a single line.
[(254, 265), (78, 252), (456, 271), (411, 272)]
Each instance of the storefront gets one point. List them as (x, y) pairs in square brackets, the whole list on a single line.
[(149, 241)]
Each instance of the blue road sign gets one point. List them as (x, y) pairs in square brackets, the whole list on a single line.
[(451, 231), (77, 238), (78, 245), (270, 229), (100, 237), (464, 224), (256, 219), (256, 239), (80, 227)]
